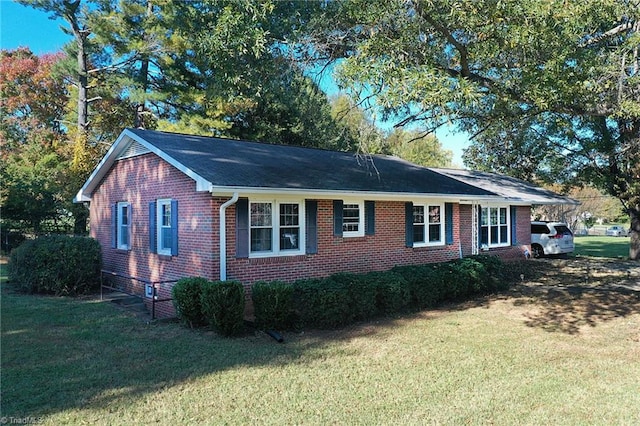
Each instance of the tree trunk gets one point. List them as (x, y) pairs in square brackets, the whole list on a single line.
[(634, 244), (144, 78)]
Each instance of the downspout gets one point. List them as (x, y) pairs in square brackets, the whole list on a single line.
[(223, 235)]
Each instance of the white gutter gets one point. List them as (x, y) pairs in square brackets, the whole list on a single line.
[(223, 235)]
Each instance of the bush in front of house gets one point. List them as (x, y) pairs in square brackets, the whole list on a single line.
[(361, 293), (57, 264), (187, 300), (321, 303), (344, 297), (392, 291), (223, 306), (273, 304), (496, 273), (425, 283)]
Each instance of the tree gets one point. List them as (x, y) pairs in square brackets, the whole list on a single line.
[(594, 205), (31, 136), (553, 86), (419, 148)]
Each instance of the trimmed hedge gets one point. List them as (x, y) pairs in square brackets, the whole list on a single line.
[(339, 299), (392, 291), (321, 303), (57, 264), (425, 284), (273, 304), (223, 306), (187, 295), (361, 294)]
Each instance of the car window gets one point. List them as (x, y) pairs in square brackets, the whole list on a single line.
[(539, 229), (564, 230)]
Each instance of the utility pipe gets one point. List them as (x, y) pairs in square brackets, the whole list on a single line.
[(223, 235)]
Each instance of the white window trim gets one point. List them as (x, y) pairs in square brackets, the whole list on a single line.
[(275, 229), (508, 224), (159, 204), (119, 224), (426, 242), (360, 231)]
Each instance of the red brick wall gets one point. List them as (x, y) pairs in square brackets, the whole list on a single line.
[(378, 252), (146, 178), (139, 181)]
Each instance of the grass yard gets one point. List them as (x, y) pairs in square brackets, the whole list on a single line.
[(602, 246), (541, 354)]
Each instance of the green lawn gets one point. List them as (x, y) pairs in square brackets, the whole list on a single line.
[(602, 246), (528, 357)]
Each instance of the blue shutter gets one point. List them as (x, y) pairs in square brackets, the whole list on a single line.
[(242, 228), (480, 227), (311, 221), (153, 246), (337, 218), (114, 226), (514, 225), (130, 222), (369, 217), (408, 224), (448, 222), (174, 227)]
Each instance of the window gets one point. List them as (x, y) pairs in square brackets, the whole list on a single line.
[(261, 227), (163, 227), (124, 226), (275, 228), (289, 227), (494, 226), (352, 220), (428, 224)]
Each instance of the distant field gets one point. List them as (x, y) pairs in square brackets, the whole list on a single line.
[(602, 246)]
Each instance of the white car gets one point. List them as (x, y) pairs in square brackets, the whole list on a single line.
[(549, 238), (617, 231)]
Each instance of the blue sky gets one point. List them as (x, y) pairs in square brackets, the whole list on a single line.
[(22, 26)]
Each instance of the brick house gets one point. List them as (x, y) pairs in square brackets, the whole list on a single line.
[(165, 206)]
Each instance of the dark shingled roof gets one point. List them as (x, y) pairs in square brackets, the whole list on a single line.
[(507, 187), (236, 163)]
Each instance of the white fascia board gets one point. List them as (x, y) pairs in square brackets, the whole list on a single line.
[(202, 184), (336, 194), (84, 194)]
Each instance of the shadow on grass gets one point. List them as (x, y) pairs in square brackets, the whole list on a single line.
[(565, 295), (61, 354)]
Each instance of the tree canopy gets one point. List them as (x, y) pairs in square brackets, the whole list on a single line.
[(549, 89)]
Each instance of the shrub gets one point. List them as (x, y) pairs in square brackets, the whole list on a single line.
[(187, 294), (273, 304), (321, 303), (473, 273), (223, 306), (361, 293), (496, 272), (57, 264), (392, 291), (425, 283)]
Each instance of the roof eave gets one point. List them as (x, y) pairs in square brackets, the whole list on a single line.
[(310, 193), (85, 193)]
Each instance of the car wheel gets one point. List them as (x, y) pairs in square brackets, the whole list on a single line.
[(537, 251)]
